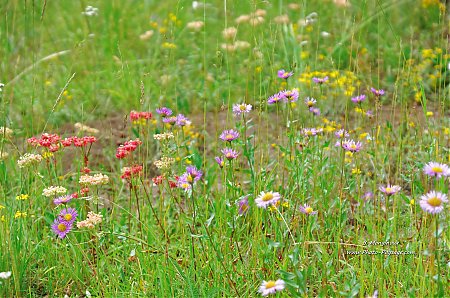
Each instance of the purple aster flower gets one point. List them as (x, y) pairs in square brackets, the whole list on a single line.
[(63, 199), (241, 108), (437, 170), (376, 92), (351, 145), (310, 102), (359, 98), (369, 114), (374, 295), (282, 74), (61, 227), (276, 98), (243, 204), (220, 161), (194, 174), (289, 95), (433, 202), (309, 132), (229, 135), (184, 183), (308, 210), (229, 153), (170, 119), (69, 215), (163, 111), (182, 120), (390, 189), (267, 198), (368, 196), (341, 133), (315, 111), (320, 81)]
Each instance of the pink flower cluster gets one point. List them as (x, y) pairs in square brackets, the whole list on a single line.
[(53, 141), (127, 147), (78, 142), (129, 172), (47, 140), (134, 115)]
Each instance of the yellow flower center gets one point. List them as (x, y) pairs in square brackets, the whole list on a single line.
[(388, 189), (62, 227), (267, 197), (242, 107), (68, 216), (270, 284), (437, 169), (229, 136), (308, 210), (353, 146), (435, 201), (189, 178), (309, 133), (185, 185)]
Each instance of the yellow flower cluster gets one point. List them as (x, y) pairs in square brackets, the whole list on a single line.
[(20, 214), (431, 3), (22, 197), (340, 80)]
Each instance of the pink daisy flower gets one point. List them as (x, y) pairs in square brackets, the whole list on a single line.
[(241, 108), (267, 198), (437, 170), (61, 227), (310, 102), (282, 74), (308, 210), (229, 153), (229, 135), (351, 145), (390, 189), (433, 202), (271, 287)]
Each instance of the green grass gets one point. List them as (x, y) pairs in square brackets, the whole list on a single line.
[(61, 67)]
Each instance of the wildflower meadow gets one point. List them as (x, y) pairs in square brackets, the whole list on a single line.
[(221, 148)]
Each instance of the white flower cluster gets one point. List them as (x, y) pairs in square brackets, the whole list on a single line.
[(97, 179), (164, 162), (5, 132), (91, 220), (53, 191), (195, 26), (90, 11), (3, 155), (163, 136), (29, 159), (84, 128)]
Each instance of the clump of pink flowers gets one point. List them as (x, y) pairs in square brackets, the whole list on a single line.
[(127, 147)]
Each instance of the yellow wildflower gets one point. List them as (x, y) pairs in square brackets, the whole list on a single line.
[(22, 197), (20, 214), (356, 171), (169, 45), (46, 154)]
